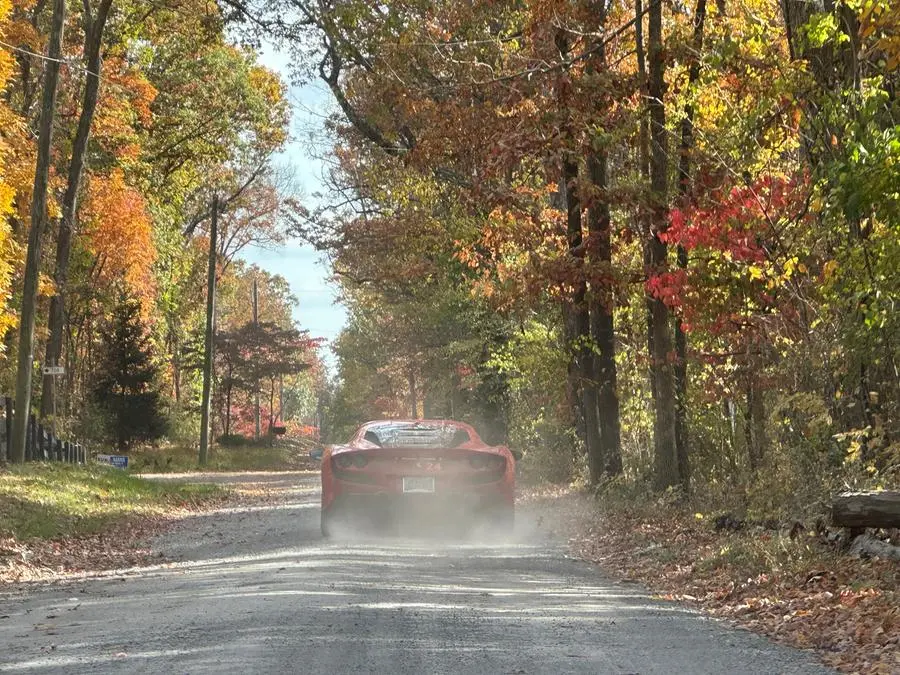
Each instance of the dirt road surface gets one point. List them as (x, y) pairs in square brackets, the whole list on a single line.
[(257, 590)]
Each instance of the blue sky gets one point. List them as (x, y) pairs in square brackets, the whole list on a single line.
[(305, 270)]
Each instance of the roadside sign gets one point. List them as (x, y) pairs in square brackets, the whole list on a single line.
[(54, 370), (118, 461)]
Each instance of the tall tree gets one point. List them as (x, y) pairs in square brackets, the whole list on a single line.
[(38, 223), (127, 385), (602, 305), (578, 307), (94, 26), (666, 457), (685, 148)]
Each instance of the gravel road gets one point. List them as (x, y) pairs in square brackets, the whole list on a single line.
[(256, 590)]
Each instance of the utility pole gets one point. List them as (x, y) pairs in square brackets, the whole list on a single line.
[(210, 332), (256, 325), (35, 234), (281, 398)]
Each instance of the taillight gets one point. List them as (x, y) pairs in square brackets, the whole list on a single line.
[(482, 462), (350, 459)]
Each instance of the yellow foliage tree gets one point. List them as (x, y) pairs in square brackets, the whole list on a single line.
[(8, 123)]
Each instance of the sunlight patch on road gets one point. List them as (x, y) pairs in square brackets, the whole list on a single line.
[(55, 660)]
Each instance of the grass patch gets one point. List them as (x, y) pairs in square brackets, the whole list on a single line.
[(175, 459), (48, 501)]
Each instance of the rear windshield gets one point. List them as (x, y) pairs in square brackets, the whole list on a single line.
[(399, 435)]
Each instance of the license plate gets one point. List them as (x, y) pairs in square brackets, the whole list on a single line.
[(418, 484)]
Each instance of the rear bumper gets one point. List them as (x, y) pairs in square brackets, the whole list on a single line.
[(433, 512), (449, 501)]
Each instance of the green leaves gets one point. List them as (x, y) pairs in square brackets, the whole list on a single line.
[(822, 28)]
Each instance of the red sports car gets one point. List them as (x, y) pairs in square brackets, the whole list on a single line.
[(433, 472)]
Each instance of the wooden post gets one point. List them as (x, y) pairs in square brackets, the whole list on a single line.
[(8, 402), (31, 438), (255, 301)]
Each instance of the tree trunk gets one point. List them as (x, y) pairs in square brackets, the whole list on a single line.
[(581, 349), (93, 40), (666, 460), (644, 166), (602, 324), (35, 235), (209, 341), (603, 295), (228, 406), (271, 404), (760, 437), (866, 509), (573, 386), (755, 419), (176, 374), (684, 191), (573, 379)]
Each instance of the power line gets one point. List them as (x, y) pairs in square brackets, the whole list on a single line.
[(66, 63)]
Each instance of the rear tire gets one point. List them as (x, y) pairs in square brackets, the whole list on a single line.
[(326, 524), (503, 520)]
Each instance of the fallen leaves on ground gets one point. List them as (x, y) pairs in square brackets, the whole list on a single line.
[(42, 560), (122, 546), (126, 544), (795, 590)]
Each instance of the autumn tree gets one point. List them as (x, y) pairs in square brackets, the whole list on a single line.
[(10, 143), (35, 235), (257, 356), (94, 25)]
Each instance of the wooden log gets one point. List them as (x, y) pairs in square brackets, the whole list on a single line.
[(866, 509), (866, 545)]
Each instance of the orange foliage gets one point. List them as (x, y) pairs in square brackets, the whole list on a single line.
[(119, 233), (124, 106)]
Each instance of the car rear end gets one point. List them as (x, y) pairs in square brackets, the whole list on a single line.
[(437, 488)]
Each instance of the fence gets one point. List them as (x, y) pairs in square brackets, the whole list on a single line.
[(40, 443)]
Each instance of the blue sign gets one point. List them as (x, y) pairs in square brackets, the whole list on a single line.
[(118, 461)]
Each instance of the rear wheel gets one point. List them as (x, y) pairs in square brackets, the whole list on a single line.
[(503, 519), (327, 524)]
